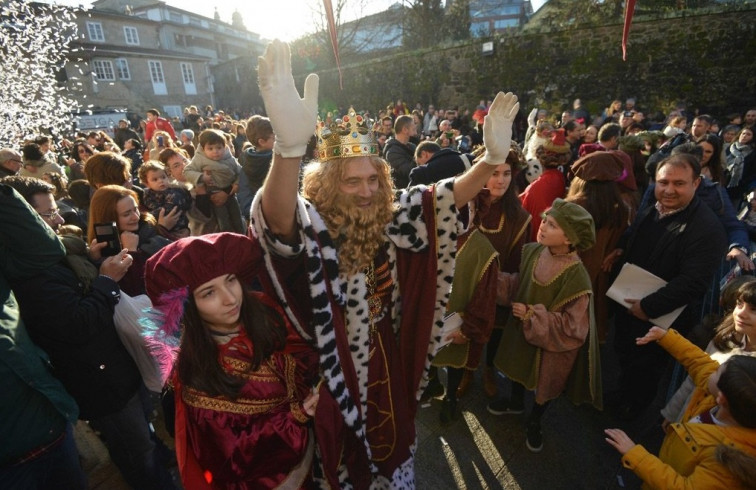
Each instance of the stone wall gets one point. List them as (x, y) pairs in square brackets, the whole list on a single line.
[(707, 59)]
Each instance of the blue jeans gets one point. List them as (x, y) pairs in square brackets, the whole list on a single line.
[(129, 439), (58, 468)]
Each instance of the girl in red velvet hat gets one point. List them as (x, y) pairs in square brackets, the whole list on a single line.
[(242, 407)]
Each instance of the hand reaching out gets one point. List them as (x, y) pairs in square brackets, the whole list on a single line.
[(619, 440), (653, 334)]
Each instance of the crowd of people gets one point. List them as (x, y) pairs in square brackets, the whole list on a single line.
[(303, 290)]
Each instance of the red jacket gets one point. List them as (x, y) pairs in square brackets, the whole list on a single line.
[(159, 123)]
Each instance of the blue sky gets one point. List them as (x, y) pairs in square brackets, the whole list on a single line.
[(283, 19)]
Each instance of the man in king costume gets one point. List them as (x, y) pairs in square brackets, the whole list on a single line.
[(346, 256)]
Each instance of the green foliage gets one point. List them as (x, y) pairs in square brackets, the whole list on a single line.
[(422, 22), (457, 21)]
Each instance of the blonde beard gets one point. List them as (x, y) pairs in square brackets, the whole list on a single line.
[(358, 232)]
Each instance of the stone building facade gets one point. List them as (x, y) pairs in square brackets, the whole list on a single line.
[(137, 55)]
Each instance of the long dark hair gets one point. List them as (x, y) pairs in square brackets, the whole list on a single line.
[(198, 364), (725, 338), (510, 203), (738, 383), (602, 199), (715, 162)]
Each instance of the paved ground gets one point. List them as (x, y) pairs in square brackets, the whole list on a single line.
[(484, 451)]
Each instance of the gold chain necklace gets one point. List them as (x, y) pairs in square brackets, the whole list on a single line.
[(373, 300)]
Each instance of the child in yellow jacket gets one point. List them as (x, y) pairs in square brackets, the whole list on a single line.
[(716, 445)]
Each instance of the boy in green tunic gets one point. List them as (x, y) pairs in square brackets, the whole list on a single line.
[(549, 343)]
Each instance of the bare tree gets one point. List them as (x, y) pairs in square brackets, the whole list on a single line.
[(352, 36)]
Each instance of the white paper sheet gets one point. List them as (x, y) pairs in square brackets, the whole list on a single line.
[(634, 282), (452, 323)]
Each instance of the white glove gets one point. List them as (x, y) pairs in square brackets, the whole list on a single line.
[(497, 128), (293, 118), (532, 117)]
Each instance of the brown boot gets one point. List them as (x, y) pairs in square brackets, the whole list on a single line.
[(464, 384), (489, 381)]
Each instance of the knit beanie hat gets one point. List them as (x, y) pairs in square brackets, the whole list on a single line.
[(575, 221)]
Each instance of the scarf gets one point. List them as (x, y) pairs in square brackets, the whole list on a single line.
[(735, 162)]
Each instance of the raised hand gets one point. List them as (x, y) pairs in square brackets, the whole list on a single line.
[(293, 118), (497, 128)]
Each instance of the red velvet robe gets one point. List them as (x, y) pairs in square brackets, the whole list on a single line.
[(251, 442)]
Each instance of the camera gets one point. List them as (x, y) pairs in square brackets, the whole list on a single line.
[(160, 141), (108, 233)]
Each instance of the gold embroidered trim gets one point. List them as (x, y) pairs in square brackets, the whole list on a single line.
[(243, 406), (519, 233), (494, 256), (299, 414), (571, 298), (528, 314), (390, 416), (265, 373), (557, 275), (491, 230)]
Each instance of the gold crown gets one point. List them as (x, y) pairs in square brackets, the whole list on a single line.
[(347, 137)]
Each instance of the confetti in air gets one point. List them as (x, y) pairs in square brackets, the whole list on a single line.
[(34, 47)]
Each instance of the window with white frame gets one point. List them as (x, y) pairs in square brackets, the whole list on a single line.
[(122, 68), (187, 75), (157, 77), (94, 30), (103, 70), (131, 34)]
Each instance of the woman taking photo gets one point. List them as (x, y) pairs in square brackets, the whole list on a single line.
[(138, 231), (242, 407)]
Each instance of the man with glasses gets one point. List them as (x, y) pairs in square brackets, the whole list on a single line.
[(39, 194), (11, 162), (68, 311)]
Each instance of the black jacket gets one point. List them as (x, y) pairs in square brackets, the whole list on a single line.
[(401, 157), (443, 164), (77, 331), (686, 255)]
